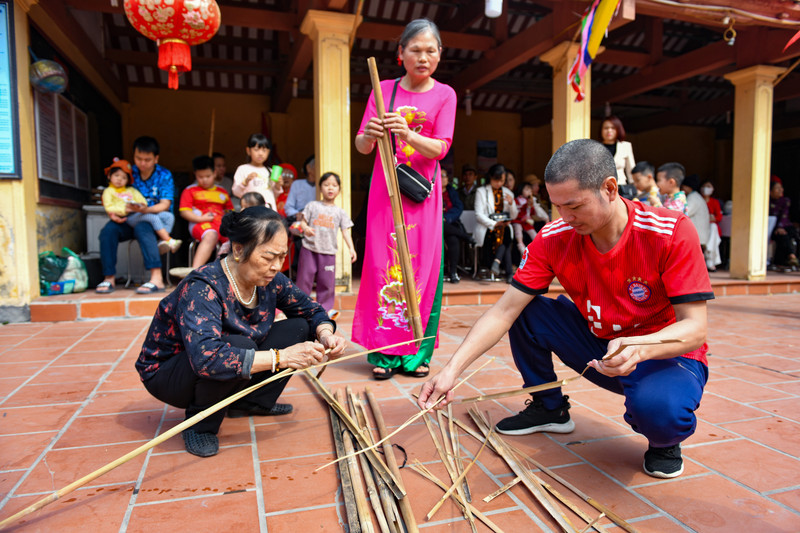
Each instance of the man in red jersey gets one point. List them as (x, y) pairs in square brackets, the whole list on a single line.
[(636, 274)]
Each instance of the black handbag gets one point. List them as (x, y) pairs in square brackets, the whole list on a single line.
[(412, 184)]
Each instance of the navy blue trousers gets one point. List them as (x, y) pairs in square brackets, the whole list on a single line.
[(661, 396)]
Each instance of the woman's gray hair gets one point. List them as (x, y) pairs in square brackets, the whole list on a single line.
[(417, 26)]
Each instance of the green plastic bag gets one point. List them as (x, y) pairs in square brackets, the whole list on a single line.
[(62, 275), (51, 267)]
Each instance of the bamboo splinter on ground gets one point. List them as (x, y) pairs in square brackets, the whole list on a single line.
[(403, 253)]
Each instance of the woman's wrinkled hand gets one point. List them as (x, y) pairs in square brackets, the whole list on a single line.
[(374, 129), (397, 125), (302, 355), (334, 343)]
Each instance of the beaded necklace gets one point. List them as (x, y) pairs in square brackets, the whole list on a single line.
[(236, 287)]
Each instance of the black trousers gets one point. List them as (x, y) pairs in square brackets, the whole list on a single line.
[(453, 235), (176, 383), (785, 245), (502, 253)]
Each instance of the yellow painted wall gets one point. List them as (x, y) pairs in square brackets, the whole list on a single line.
[(181, 121)]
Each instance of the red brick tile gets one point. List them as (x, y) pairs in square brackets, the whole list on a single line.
[(489, 298), (20, 451), (712, 503), (178, 475), (778, 433), (53, 312), (734, 290), (706, 432), (122, 402), (71, 374), (462, 299), (236, 511), (754, 374), (716, 409), (31, 355), (742, 391), (103, 309), (21, 329), (110, 429), (322, 520), (758, 289), (786, 408), (790, 498), (652, 525), (88, 358), (282, 481), (30, 419), (18, 370), (102, 507), (145, 308), (51, 394), (8, 480)]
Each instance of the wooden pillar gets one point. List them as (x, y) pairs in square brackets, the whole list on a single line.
[(19, 279), (331, 34), (571, 119), (752, 148)]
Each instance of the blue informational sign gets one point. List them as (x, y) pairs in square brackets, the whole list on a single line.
[(8, 111)]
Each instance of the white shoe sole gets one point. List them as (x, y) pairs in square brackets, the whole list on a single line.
[(566, 427), (662, 475)]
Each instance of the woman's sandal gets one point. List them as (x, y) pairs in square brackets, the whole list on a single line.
[(104, 287), (386, 374), (419, 372), (149, 288)]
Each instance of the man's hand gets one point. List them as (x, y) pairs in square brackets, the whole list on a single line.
[(116, 218), (618, 362), (433, 389), (136, 208)]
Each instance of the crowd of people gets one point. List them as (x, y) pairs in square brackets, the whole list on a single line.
[(632, 247)]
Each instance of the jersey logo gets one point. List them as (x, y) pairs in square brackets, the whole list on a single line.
[(638, 291), (524, 260)]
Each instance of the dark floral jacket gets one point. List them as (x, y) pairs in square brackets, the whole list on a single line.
[(203, 309)]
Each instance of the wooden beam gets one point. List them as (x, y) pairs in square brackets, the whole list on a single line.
[(626, 12), (685, 114), (500, 27), (780, 11), (694, 63), (299, 60), (58, 24), (388, 32), (623, 57), (465, 17), (128, 57), (524, 46), (787, 89)]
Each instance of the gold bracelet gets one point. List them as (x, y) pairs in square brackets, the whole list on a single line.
[(277, 359)]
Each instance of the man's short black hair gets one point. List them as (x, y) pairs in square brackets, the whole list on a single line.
[(202, 162), (673, 171), (644, 167), (586, 161), (147, 145)]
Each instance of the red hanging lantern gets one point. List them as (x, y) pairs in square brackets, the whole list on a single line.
[(174, 25)]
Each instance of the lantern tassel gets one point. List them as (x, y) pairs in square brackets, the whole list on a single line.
[(174, 56)]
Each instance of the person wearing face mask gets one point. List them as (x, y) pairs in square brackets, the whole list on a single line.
[(713, 257)]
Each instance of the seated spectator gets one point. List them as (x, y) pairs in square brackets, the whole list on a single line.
[(645, 184), (452, 228), (529, 212), (468, 187), (713, 257), (696, 208), (669, 178), (203, 205), (221, 179), (494, 211), (156, 185), (511, 182), (785, 233)]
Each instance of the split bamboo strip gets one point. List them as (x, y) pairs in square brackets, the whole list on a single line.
[(177, 429), (374, 499), (585, 497), (535, 489), (350, 507), (364, 517), (558, 383), (391, 461), (388, 502), (457, 482), (511, 484), (454, 469), (448, 466), (415, 417), (420, 469), (592, 523), (388, 160), (372, 456), (457, 450), (572, 507)]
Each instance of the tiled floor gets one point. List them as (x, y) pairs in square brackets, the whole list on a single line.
[(70, 402)]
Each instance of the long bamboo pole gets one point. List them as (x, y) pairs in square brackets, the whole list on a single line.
[(391, 462), (364, 516), (171, 433), (404, 255), (350, 505), (211, 135)]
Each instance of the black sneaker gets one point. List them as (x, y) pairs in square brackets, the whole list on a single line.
[(536, 418), (664, 463), (200, 444), (244, 408)]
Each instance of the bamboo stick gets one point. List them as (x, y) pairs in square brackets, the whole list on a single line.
[(364, 517), (558, 383), (174, 431), (371, 454), (374, 498), (508, 486), (403, 252), (387, 500), (391, 461), (457, 482), (420, 469), (350, 507), (456, 468), (414, 417), (457, 450), (211, 136), (536, 490)]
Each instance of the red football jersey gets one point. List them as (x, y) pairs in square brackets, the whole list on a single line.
[(214, 200), (630, 290)]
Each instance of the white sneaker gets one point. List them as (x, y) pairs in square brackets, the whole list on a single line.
[(163, 247), (175, 245)]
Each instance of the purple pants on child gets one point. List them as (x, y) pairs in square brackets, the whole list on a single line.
[(312, 265)]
